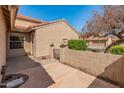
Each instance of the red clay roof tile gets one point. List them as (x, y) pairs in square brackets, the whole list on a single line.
[(28, 18)]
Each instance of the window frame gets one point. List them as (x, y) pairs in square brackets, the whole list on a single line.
[(16, 42)]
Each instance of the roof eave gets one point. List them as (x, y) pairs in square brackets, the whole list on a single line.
[(20, 16), (13, 12)]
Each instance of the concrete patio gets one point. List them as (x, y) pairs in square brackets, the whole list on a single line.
[(53, 74)]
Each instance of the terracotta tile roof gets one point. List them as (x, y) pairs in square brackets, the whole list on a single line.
[(21, 28), (40, 24), (96, 38), (45, 23), (28, 18), (28, 29)]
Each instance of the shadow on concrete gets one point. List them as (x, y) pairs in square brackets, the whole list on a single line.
[(38, 76), (114, 74)]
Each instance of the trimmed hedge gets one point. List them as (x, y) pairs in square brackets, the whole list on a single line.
[(77, 44), (117, 50)]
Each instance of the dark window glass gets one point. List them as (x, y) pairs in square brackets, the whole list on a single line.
[(16, 42)]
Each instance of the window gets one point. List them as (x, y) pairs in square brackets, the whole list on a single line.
[(16, 42)]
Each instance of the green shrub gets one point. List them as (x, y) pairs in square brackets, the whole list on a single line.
[(117, 50), (77, 44)]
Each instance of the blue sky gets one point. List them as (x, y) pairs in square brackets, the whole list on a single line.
[(76, 15)]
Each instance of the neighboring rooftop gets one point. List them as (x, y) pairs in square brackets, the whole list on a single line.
[(89, 36), (100, 38)]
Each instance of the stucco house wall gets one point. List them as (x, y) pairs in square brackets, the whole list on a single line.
[(52, 34), (27, 42), (2, 41)]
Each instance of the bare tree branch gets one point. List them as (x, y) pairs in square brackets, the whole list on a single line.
[(111, 22)]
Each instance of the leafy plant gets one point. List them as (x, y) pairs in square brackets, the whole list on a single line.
[(117, 50), (77, 44)]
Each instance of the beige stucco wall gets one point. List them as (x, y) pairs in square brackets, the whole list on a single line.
[(24, 23), (2, 41), (20, 51), (105, 65), (27, 42), (52, 33)]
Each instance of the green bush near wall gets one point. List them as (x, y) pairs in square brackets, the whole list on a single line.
[(77, 44), (117, 50)]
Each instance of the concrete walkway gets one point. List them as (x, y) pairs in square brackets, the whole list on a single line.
[(67, 77), (53, 74)]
